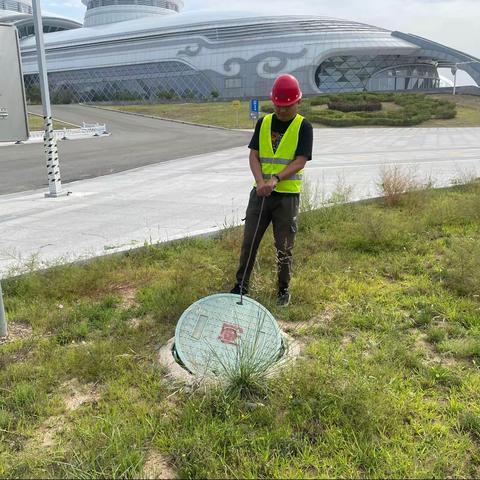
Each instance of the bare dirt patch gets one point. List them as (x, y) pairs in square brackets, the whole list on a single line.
[(422, 344), (128, 294), (304, 328), (135, 323), (156, 467), (348, 338), (45, 436), (77, 394), (48, 432), (17, 331)]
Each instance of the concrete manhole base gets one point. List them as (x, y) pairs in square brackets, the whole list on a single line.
[(177, 373)]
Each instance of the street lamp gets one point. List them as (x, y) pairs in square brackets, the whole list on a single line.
[(455, 70), (50, 143)]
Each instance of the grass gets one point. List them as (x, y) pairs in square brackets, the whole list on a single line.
[(468, 112), (35, 122), (221, 114), (224, 115), (385, 301)]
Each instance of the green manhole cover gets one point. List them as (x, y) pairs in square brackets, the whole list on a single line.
[(216, 334)]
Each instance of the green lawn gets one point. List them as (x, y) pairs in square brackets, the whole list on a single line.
[(385, 303), (221, 114), (224, 115), (36, 123)]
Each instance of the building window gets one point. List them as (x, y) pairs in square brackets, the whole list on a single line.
[(233, 83)]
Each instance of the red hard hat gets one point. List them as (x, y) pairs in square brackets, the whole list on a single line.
[(286, 91)]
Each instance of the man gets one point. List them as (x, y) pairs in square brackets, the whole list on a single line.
[(280, 148)]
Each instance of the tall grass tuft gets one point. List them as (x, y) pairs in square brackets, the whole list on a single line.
[(245, 371), (395, 182), (247, 378)]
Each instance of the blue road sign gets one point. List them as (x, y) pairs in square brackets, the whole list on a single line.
[(254, 104)]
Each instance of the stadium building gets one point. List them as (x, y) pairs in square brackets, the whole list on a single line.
[(149, 50), (19, 12)]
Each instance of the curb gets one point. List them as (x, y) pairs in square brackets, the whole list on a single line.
[(182, 122)]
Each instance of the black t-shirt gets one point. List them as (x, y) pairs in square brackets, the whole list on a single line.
[(305, 138)]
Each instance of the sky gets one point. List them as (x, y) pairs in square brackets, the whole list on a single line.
[(451, 22)]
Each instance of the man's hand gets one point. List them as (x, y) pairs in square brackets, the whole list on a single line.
[(266, 189)]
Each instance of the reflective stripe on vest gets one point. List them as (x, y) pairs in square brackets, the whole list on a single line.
[(267, 176), (274, 163)]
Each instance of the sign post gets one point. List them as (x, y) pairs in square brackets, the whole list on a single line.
[(236, 105), (13, 109), (254, 110)]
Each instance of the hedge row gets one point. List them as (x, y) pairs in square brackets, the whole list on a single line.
[(365, 109), (365, 106)]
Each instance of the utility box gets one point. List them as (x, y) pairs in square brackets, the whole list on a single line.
[(13, 108)]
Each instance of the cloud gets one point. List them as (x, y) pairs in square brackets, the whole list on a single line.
[(449, 22)]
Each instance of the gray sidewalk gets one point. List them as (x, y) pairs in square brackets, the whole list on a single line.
[(201, 194)]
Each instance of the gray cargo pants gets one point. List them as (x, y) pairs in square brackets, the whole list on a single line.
[(282, 211)]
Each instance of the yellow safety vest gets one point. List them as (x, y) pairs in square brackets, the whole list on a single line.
[(275, 163)]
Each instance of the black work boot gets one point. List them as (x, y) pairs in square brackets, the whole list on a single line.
[(283, 297), (236, 290)]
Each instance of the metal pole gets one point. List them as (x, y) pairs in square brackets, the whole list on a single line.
[(49, 142), (455, 80), (3, 318)]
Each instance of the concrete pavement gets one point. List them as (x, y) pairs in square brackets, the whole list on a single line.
[(204, 193)]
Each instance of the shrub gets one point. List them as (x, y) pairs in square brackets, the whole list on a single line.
[(126, 96), (316, 101), (394, 182), (62, 96), (364, 109), (365, 106), (34, 96), (446, 112), (166, 94)]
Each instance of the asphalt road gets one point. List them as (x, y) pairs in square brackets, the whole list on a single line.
[(135, 142)]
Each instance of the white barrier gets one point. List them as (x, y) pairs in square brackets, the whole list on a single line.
[(95, 129), (87, 130)]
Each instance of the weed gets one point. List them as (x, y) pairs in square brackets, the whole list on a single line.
[(245, 369), (373, 230), (461, 270), (395, 182), (470, 422)]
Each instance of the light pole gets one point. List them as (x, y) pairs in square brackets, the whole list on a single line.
[(49, 141), (455, 70)]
